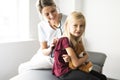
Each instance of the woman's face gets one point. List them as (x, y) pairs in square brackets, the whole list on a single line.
[(76, 27), (50, 13)]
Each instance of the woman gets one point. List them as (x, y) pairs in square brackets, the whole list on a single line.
[(50, 28)]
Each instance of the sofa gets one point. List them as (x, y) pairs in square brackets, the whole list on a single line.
[(97, 58)]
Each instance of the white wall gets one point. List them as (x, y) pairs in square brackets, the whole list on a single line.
[(102, 32), (12, 54), (34, 19), (68, 6), (102, 29)]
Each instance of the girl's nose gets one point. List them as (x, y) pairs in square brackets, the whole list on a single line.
[(78, 28)]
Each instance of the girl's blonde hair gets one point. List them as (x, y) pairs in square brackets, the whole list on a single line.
[(74, 15)]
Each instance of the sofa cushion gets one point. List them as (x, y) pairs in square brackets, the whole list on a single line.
[(36, 75), (97, 68), (97, 58)]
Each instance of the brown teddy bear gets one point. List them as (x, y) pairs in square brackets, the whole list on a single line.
[(79, 50)]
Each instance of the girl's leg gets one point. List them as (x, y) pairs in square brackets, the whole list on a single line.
[(78, 75), (99, 75)]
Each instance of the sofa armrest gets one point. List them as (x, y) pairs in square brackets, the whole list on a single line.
[(98, 59)]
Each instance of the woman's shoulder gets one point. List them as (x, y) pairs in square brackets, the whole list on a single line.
[(63, 16), (43, 23)]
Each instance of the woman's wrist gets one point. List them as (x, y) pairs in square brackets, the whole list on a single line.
[(50, 49)]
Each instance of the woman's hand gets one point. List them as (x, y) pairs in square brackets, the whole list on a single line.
[(66, 58), (47, 50), (53, 44)]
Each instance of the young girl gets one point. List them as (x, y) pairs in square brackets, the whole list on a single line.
[(74, 29)]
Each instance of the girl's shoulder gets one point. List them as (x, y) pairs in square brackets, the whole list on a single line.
[(63, 40), (63, 37), (62, 43)]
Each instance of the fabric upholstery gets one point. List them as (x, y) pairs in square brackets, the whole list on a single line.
[(97, 58)]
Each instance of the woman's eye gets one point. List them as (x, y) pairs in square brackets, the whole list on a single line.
[(47, 14), (53, 11)]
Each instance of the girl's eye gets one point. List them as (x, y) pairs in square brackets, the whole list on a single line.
[(82, 27), (75, 26)]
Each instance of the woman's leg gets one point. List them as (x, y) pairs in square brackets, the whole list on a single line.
[(99, 75), (78, 75)]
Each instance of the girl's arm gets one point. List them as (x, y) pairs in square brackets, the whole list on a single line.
[(82, 47), (75, 60)]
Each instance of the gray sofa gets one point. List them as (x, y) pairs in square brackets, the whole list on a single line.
[(97, 58)]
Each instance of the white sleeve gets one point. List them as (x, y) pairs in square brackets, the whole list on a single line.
[(41, 32)]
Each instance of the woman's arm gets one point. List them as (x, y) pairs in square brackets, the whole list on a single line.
[(75, 60), (45, 49)]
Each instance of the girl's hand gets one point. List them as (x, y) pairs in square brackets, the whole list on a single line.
[(85, 55), (66, 58)]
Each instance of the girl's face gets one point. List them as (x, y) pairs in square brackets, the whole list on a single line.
[(50, 13), (76, 27)]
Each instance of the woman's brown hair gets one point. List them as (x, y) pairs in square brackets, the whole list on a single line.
[(43, 3)]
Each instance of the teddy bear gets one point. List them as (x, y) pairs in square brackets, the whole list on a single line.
[(79, 50)]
